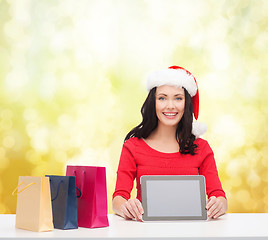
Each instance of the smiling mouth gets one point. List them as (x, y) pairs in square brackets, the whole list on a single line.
[(170, 114)]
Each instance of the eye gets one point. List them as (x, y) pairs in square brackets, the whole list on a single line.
[(179, 98), (161, 98)]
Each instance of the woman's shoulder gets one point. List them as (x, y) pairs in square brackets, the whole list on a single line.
[(133, 141), (202, 145), (135, 145), (200, 142)]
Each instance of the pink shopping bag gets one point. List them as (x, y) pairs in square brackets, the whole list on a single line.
[(92, 205)]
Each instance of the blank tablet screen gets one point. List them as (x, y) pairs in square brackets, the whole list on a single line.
[(173, 197), (185, 198)]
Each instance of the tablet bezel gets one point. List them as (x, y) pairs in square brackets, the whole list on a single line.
[(202, 187)]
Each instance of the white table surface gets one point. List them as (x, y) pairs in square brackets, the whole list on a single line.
[(231, 226)]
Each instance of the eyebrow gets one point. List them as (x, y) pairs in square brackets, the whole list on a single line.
[(179, 94)]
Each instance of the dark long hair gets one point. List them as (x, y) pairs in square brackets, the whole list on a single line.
[(149, 123)]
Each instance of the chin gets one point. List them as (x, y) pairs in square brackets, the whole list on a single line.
[(168, 124)]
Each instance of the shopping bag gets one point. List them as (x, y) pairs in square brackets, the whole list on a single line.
[(34, 211), (92, 205), (64, 203)]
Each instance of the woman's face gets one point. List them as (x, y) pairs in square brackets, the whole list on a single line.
[(169, 104)]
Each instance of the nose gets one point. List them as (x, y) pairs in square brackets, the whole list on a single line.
[(170, 104)]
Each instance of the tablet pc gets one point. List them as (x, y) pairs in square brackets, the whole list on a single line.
[(173, 197)]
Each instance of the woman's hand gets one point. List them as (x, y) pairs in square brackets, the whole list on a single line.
[(128, 209), (132, 209), (216, 206)]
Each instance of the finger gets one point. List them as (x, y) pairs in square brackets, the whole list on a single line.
[(126, 213), (213, 209), (130, 209), (220, 213), (213, 206), (135, 210), (217, 210), (210, 202), (214, 212), (139, 206)]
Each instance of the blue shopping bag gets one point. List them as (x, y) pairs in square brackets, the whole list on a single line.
[(64, 201)]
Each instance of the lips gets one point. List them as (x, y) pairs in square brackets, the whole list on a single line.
[(170, 115)]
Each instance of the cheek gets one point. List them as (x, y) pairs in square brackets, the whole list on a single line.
[(182, 109), (180, 106), (159, 106), (158, 110)]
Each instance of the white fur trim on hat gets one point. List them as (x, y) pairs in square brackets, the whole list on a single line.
[(199, 129), (173, 77)]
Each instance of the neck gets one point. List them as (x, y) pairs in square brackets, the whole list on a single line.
[(165, 133)]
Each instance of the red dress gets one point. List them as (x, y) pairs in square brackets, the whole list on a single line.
[(138, 158)]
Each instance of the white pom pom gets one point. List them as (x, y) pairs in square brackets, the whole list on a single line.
[(199, 129)]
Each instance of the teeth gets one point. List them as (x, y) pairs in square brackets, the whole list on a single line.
[(170, 114)]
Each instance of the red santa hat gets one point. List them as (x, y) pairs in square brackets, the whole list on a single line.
[(180, 77)]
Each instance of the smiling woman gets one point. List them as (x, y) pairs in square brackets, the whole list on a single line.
[(164, 144)]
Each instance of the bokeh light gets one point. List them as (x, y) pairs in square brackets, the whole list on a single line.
[(72, 82)]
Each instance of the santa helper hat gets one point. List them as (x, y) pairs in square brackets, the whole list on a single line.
[(179, 77)]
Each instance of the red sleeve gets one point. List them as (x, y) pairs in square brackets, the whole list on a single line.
[(209, 170), (126, 172)]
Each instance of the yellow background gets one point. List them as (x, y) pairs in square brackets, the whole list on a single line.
[(72, 82)]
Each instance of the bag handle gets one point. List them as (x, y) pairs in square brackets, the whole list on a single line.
[(13, 193), (59, 190), (79, 192), (82, 183), (61, 181)]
